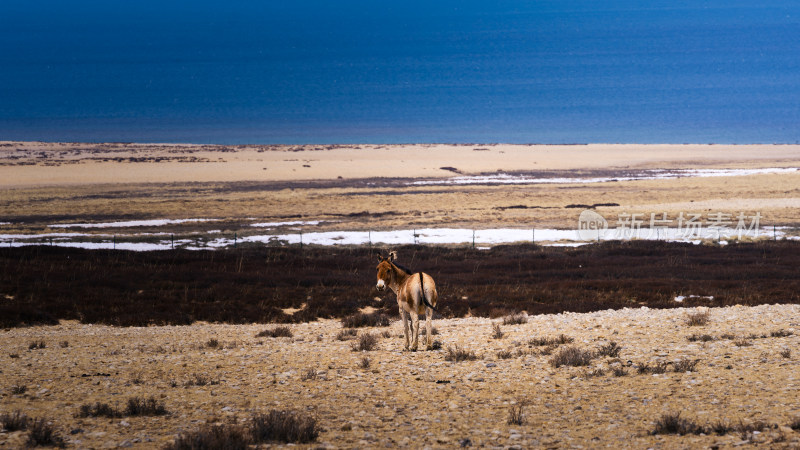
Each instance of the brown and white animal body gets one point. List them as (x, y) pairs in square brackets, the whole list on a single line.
[(416, 294)]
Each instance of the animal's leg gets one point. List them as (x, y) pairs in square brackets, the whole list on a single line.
[(415, 325), (404, 315), (428, 329)]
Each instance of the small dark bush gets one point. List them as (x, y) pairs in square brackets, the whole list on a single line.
[(36, 345), (598, 372), (13, 355), (347, 333), (19, 389), (457, 354), (505, 354), (497, 333), (360, 320), (560, 340), (659, 367), (786, 353), (138, 406), (310, 374), (437, 345), (685, 365), (611, 350), (64, 344), (15, 421), (743, 342), (673, 423), (276, 332), (208, 437), (727, 336), (366, 342), (572, 356), (619, 371), (515, 319), (364, 363), (98, 410), (697, 319), (201, 380), (516, 414), (795, 424), (780, 333), (284, 426), (41, 433), (212, 343), (700, 337)]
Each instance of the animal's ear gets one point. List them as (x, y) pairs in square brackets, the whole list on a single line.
[(380, 258), (392, 255)]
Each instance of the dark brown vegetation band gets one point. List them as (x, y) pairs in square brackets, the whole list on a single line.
[(40, 285)]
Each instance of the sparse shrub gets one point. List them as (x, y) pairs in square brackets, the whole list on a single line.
[(360, 320), (16, 421), (516, 414), (781, 333), (497, 333), (656, 368), (598, 372), (276, 332), (547, 351), (201, 380), (386, 334), (366, 342), (138, 406), (36, 345), (457, 354), (437, 345), (13, 355), (136, 378), (515, 319), (673, 423), (19, 389), (310, 374), (346, 333), (786, 353), (743, 342), (64, 344), (572, 356), (611, 350), (556, 341), (619, 371), (284, 426), (697, 319), (43, 433), (795, 424), (700, 337), (505, 354), (228, 437), (685, 365), (98, 410), (212, 343), (727, 336), (364, 363)]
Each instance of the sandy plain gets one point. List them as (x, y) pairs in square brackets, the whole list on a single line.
[(371, 187), (421, 400)]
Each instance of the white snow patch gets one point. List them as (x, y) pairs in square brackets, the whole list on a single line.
[(681, 298), (656, 174)]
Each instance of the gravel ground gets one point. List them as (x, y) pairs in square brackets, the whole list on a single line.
[(747, 372)]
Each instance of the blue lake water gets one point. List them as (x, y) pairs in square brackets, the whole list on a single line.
[(396, 72)]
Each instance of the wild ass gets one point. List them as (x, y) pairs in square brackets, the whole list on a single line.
[(416, 293)]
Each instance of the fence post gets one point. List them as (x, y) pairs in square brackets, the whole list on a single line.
[(533, 235), (774, 235), (473, 239), (172, 238), (234, 239), (115, 242), (369, 237), (301, 239)]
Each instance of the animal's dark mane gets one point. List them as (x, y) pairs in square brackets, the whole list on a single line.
[(403, 268)]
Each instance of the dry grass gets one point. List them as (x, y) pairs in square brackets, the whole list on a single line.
[(42, 433), (697, 319), (573, 357), (365, 320), (515, 319), (366, 342), (276, 332), (497, 332), (16, 421), (457, 354)]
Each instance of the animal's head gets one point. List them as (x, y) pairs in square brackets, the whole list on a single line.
[(385, 270)]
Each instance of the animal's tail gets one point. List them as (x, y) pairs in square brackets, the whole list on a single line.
[(424, 299)]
